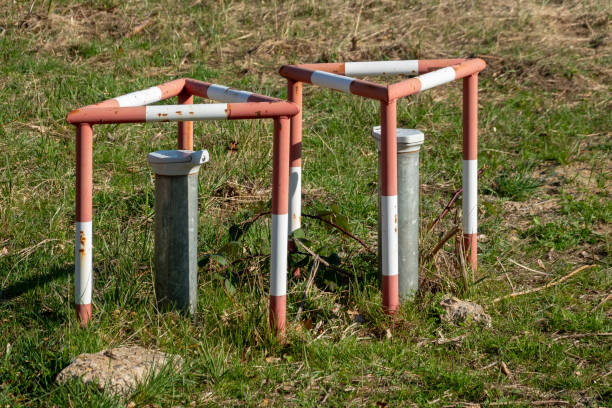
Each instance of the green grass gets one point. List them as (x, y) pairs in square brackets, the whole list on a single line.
[(544, 135)]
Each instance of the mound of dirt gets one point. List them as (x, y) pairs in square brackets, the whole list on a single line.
[(118, 370)]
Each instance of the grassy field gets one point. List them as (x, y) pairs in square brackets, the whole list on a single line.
[(545, 135)]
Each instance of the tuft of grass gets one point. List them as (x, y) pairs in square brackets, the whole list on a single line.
[(559, 235), (516, 186)]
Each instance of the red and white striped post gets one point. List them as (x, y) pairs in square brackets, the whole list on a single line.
[(388, 206), (294, 94), (280, 198), (470, 169), (134, 108), (429, 74), (83, 246)]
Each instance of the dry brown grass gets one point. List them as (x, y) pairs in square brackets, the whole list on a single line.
[(521, 39)]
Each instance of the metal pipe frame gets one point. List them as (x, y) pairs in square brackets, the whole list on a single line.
[(133, 108), (428, 74)]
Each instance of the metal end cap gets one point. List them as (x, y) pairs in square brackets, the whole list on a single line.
[(406, 138), (177, 162)]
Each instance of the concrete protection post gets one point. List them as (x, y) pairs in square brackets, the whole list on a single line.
[(409, 143), (176, 227)]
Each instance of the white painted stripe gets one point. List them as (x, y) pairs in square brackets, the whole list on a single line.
[(83, 276), (470, 196), (333, 81), (205, 111), (224, 94), (139, 98), (389, 235), (295, 198), (409, 67), (437, 77), (278, 269)]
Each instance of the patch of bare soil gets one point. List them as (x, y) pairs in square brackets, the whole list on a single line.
[(578, 179), (520, 213)]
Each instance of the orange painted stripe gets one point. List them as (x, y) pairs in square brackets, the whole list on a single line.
[(388, 148), (294, 94), (278, 315), (390, 294), (172, 88), (262, 98), (280, 166), (332, 67), (254, 110), (296, 73), (405, 88), (469, 67), (109, 103), (107, 115), (185, 129), (470, 247), (83, 313), (470, 117), (426, 66), (84, 172), (196, 87), (369, 90)]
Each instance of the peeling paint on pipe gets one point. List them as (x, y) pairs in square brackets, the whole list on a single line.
[(431, 73), (126, 109)]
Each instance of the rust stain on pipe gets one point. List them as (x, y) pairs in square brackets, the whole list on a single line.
[(83, 241)]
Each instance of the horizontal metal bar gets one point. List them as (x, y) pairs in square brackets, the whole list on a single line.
[(165, 113), (222, 93), (335, 81), (435, 78), (431, 74), (144, 97)]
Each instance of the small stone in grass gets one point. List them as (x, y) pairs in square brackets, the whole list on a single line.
[(459, 311)]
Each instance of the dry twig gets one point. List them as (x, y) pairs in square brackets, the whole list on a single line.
[(339, 228), (504, 369), (579, 335), (604, 300), (528, 268), (548, 285), (443, 241)]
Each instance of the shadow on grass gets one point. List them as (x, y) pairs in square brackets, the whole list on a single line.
[(19, 288)]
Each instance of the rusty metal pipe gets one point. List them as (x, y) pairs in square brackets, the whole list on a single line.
[(185, 128)]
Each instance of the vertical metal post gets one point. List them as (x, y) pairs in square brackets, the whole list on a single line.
[(176, 227), (280, 200), (470, 169), (83, 247), (409, 142), (388, 147), (185, 128), (294, 94)]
